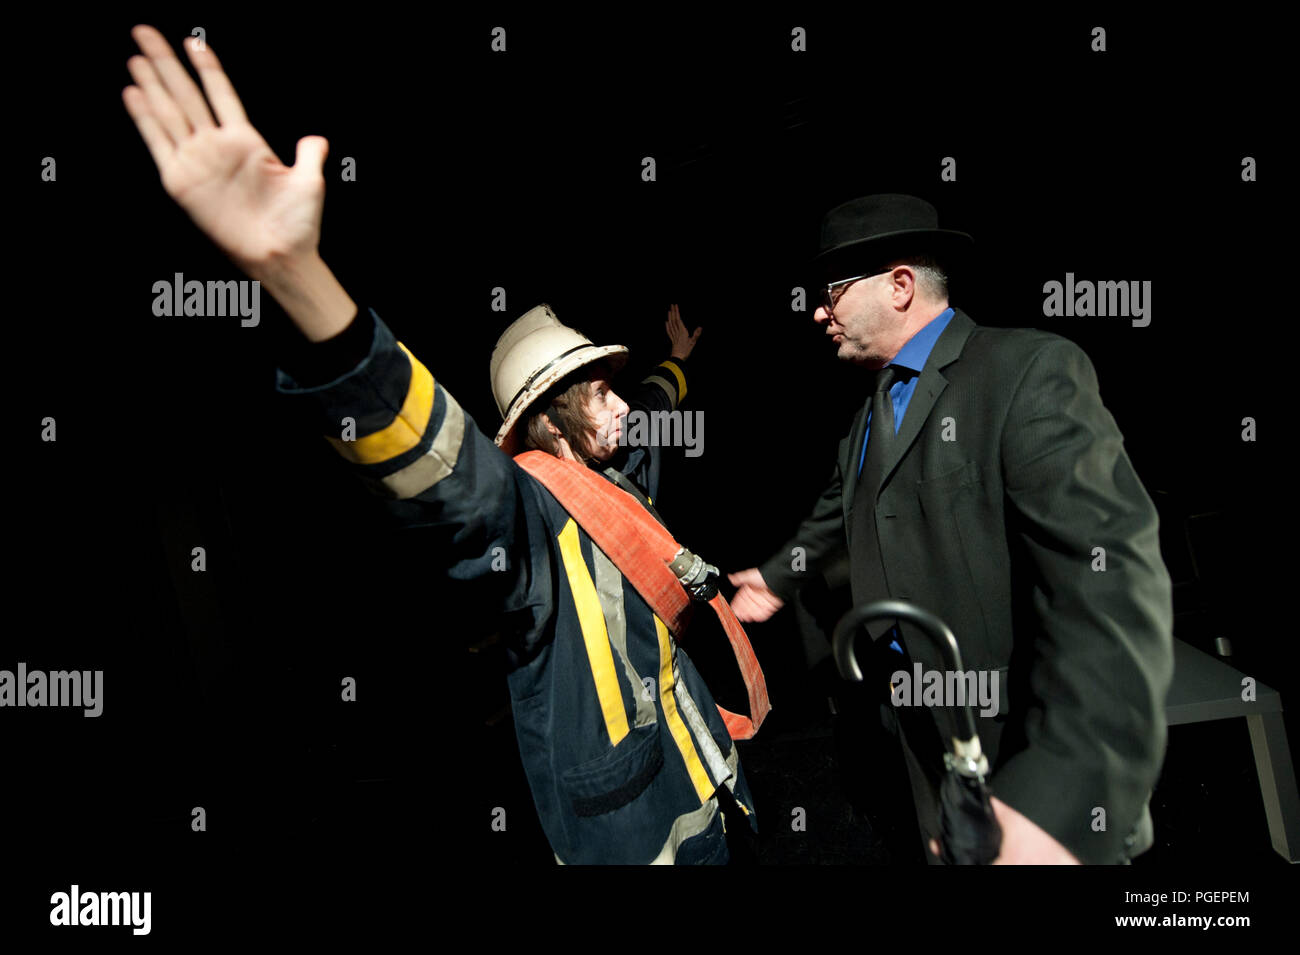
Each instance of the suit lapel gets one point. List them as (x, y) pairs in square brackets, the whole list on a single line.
[(929, 386)]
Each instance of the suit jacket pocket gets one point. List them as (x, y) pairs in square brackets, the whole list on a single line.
[(614, 779), (936, 492)]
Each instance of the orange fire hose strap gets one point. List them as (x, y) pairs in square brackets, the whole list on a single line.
[(641, 548)]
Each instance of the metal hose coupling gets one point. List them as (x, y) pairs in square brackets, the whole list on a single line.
[(699, 579)]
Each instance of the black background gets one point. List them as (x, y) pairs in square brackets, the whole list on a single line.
[(523, 170)]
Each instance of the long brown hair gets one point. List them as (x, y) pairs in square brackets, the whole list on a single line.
[(566, 405)]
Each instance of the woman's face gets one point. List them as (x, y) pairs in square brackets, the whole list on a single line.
[(605, 409)]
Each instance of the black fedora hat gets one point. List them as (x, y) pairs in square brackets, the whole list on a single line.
[(865, 233)]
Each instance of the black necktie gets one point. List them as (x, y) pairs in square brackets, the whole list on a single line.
[(866, 569)]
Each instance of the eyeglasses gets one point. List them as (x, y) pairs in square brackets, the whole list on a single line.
[(831, 293)]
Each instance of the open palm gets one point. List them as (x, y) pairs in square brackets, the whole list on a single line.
[(683, 341), (225, 176)]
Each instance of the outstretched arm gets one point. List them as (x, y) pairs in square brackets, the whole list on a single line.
[(402, 433), (657, 394), (664, 387)]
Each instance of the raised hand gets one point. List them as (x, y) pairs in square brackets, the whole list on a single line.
[(683, 341), (256, 209)]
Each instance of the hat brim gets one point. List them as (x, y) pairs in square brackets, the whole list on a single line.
[(851, 258), (509, 438)]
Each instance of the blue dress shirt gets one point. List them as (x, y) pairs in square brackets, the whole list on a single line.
[(912, 356)]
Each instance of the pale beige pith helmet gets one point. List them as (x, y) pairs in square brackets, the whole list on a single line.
[(535, 352)]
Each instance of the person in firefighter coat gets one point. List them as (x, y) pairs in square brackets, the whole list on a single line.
[(623, 746), (621, 741)]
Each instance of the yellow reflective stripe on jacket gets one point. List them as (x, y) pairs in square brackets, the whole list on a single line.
[(405, 431), (594, 635), (435, 464), (609, 588), (664, 385), (681, 736), (681, 379)]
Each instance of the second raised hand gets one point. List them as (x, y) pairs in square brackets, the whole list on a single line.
[(683, 342)]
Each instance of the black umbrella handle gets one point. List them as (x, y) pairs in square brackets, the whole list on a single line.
[(967, 757)]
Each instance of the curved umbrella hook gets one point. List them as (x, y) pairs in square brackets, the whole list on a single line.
[(966, 757)]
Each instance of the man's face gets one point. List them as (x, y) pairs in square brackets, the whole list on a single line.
[(862, 324), (604, 408)]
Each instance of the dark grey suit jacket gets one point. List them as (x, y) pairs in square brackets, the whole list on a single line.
[(1007, 477)]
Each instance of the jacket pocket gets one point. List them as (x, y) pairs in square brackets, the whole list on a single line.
[(614, 779), (937, 491)]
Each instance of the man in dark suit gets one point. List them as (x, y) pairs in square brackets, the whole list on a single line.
[(1003, 502)]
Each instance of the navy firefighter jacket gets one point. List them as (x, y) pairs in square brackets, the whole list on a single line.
[(620, 739)]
